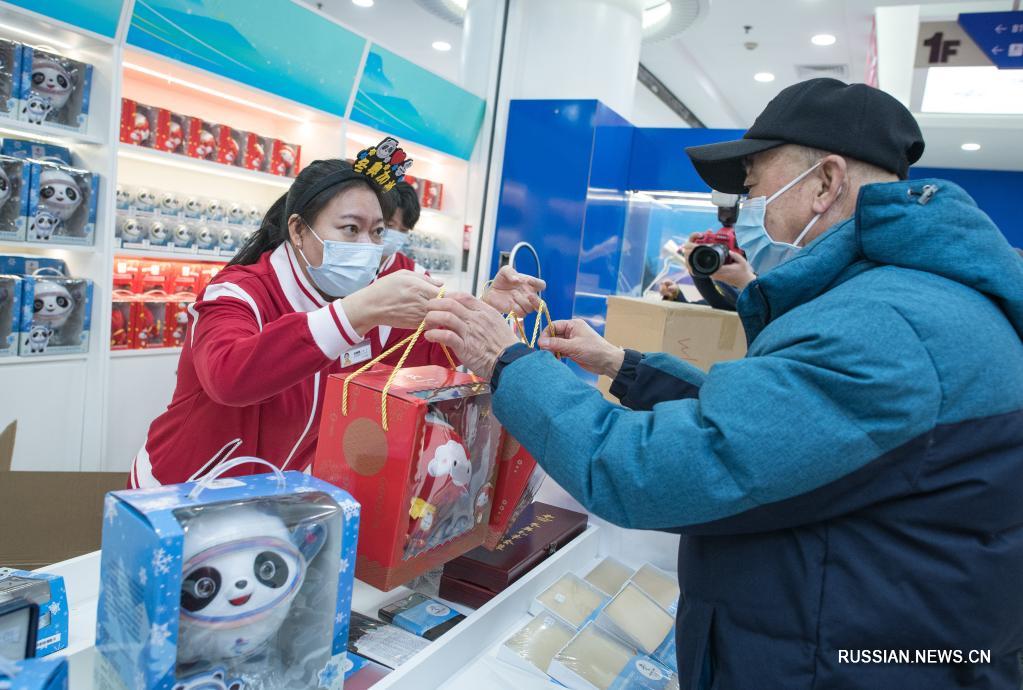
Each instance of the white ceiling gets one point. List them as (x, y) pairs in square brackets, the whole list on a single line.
[(711, 71)]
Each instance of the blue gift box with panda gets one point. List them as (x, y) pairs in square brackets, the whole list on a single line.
[(61, 204), (241, 583), (34, 674), (49, 595), (10, 314), (55, 90), (56, 314), (15, 179)]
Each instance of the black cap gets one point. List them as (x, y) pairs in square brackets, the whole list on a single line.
[(853, 120)]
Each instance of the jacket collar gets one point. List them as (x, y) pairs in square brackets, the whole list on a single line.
[(300, 293)]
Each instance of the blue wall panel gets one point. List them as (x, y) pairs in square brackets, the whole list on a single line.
[(659, 161), (98, 16)]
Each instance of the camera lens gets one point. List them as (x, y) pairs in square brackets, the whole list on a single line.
[(706, 259)]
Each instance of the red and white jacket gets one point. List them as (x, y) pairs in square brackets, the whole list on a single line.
[(261, 342)]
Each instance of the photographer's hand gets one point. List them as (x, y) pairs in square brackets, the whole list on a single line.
[(737, 273)]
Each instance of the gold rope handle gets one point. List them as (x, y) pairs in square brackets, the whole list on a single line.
[(409, 342), (541, 311)]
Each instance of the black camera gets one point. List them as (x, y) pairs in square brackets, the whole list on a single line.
[(712, 247)]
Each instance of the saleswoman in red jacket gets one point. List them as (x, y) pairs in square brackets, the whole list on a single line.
[(305, 298)]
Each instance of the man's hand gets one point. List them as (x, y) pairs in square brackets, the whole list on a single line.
[(474, 331), (514, 291), (576, 340)]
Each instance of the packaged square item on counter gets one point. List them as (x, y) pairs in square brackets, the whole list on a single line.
[(37, 150), (538, 533), (518, 480), (230, 145), (244, 583), (637, 619), (427, 481), (421, 616), (10, 314), (171, 132), (62, 205), (384, 643), (49, 595), (596, 660), (572, 599), (55, 90), (609, 576), (284, 159), (361, 673), (35, 674), (56, 315), (662, 587), (14, 187), (138, 123), (10, 77), (533, 647)]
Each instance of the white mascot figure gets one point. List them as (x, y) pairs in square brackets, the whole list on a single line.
[(59, 194), (242, 570), (52, 304)]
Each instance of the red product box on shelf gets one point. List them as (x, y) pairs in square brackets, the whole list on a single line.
[(426, 481), (185, 278), (206, 274), (171, 131), (256, 148), (177, 321), (151, 320), (138, 123), (202, 140), (230, 145), (518, 479), (432, 194), (154, 276), (284, 159), (124, 304)]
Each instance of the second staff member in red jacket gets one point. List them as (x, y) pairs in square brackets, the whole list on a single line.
[(305, 298)]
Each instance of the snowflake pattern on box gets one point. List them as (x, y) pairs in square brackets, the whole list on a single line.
[(162, 562)]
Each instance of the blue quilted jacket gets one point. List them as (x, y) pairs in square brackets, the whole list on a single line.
[(854, 483)]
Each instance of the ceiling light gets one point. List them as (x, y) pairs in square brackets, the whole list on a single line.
[(823, 40), (656, 14), (212, 92), (442, 46), (970, 147), (764, 76), (362, 3)]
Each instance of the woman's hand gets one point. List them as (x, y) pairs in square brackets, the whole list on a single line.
[(398, 299), (514, 291), (737, 272)]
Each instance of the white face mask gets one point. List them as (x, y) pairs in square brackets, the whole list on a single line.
[(346, 266), (394, 241), (762, 251)]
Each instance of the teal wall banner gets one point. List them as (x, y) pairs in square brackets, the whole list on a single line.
[(402, 99), (98, 16), (273, 45)]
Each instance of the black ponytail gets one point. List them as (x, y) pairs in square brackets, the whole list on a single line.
[(273, 231)]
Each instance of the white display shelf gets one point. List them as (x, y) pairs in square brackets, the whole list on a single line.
[(459, 651), (142, 253), (203, 167), (44, 359), (47, 133), (146, 352), (20, 247)]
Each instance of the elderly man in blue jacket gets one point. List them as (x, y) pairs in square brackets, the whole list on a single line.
[(850, 494)]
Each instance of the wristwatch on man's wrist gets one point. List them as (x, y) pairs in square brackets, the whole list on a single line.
[(510, 354)]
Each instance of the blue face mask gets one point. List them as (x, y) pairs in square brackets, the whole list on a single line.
[(763, 252), (394, 241), (346, 266)]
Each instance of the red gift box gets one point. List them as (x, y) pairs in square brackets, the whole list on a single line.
[(151, 320), (432, 194), (122, 319), (284, 158), (518, 479), (424, 479), (171, 132), (230, 145), (177, 320), (256, 149), (154, 276), (138, 123), (202, 140)]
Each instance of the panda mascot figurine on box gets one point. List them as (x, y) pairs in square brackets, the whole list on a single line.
[(52, 304), (59, 198), (213, 680), (243, 568)]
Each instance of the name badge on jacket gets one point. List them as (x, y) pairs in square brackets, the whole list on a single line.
[(356, 354)]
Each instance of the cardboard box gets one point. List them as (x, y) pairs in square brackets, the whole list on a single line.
[(695, 333), (53, 535), (425, 482)]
